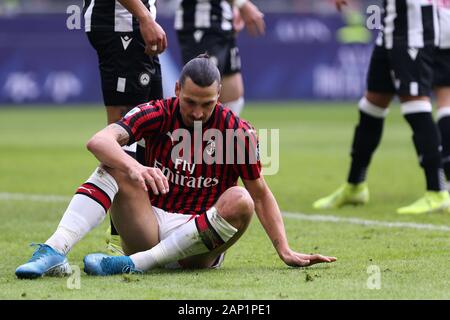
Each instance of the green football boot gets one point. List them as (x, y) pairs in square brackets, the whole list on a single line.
[(347, 194), (113, 244), (432, 201)]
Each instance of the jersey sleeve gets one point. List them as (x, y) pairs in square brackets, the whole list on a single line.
[(144, 121), (248, 164)]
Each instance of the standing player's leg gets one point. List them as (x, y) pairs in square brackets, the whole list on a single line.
[(441, 85), (232, 93), (225, 53), (229, 60), (443, 121), (414, 72), (373, 108), (203, 238), (114, 114), (426, 139)]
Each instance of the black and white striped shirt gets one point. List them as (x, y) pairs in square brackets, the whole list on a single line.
[(110, 15), (410, 23), (204, 14), (444, 23)]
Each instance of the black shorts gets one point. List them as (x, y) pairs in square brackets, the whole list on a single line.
[(442, 68), (401, 70), (220, 46), (129, 76)]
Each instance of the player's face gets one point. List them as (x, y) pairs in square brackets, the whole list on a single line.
[(196, 103)]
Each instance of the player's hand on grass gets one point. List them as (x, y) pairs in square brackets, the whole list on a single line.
[(295, 259), (154, 37), (340, 4), (152, 177), (253, 18)]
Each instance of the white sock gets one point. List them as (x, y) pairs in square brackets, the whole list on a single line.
[(416, 106), (442, 112), (236, 106), (371, 109), (187, 241), (86, 210)]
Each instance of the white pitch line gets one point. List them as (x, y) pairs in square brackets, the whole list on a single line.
[(291, 215), (376, 223), (33, 197)]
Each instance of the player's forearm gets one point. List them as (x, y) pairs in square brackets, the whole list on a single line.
[(108, 151), (137, 8), (269, 215)]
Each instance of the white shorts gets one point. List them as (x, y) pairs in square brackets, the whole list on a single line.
[(169, 222)]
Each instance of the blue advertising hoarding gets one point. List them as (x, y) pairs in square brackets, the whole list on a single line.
[(300, 57)]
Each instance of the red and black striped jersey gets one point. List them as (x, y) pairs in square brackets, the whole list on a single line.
[(200, 163)]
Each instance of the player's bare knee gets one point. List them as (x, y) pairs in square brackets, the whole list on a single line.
[(244, 204), (115, 113), (442, 96), (232, 88), (236, 206), (381, 100)]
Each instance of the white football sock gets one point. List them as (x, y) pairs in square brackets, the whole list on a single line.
[(86, 210), (416, 106), (371, 109), (187, 241), (442, 112), (236, 106)]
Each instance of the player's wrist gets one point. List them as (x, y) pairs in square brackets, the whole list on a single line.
[(283, 250), (130, 166), (145, 17)]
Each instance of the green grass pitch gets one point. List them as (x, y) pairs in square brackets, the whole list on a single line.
[(42, 151)]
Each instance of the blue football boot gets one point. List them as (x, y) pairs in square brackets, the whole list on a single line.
[(99, 264), (44, 261)]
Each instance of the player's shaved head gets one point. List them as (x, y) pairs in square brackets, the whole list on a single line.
[(201, 70)]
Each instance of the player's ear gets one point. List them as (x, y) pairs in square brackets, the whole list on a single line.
[(177, 89), (219, 90)]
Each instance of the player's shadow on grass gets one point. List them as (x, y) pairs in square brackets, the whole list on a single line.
[(243, 269)]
